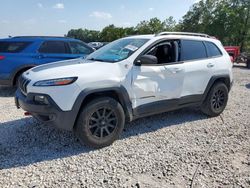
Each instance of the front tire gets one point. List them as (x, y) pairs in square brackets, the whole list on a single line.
[(100, 122), (216, 100)]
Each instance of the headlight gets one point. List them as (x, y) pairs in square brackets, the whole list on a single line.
[(56, 82)]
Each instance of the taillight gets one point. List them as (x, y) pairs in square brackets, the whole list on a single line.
[(2, 57)]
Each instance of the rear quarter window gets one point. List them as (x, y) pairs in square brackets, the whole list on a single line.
[(192, 50), (13, 47), (212, 49)]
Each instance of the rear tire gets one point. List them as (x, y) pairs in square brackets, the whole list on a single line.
[(100, 122), (216, 100), (16, 81), (248, 62)]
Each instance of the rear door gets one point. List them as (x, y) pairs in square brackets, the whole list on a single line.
[(198, 68), (216, 59), (51, 51)]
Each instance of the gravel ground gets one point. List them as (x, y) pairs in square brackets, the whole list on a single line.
[(173, 149)]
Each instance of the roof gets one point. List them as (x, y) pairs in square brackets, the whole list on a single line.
[(33, 38)]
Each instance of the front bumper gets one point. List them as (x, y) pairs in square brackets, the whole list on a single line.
[(49, 114)]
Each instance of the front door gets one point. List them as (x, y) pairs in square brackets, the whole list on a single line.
[(162, 81)]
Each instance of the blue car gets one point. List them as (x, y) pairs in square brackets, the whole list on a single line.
[(18, 54)]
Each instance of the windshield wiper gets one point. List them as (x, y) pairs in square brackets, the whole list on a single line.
[(102, 60), (93, 59)]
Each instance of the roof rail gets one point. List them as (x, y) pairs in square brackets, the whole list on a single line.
[(183, 33)]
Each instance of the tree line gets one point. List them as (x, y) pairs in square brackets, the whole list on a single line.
[(228, 20), (112, 32)]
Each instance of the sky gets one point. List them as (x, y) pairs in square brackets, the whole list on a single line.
[(57, 17)]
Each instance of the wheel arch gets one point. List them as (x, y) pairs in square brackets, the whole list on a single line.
[(118, 93), (214, 79), (19, 71)]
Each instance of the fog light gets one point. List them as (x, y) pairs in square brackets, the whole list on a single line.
[(41, 99)]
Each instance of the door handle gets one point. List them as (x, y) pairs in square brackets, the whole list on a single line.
[(175, 70), (210, 65)]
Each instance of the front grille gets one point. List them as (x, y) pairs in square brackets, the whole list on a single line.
[(22, 84)]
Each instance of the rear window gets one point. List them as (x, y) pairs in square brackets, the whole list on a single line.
[(13, 47), (212, 50), (193, 50), (54, 47)]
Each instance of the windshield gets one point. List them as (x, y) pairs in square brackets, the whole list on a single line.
[(118, 50)]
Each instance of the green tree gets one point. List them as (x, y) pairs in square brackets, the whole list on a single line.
[(169, 24), (228, 20), (154, 25), (111, 33), (84, 35)]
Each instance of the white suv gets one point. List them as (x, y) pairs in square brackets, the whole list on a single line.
[(128, 79)]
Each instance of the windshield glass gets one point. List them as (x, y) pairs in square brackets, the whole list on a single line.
[(118, 50)]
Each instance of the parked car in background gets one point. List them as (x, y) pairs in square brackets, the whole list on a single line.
[(233, 51), (18, 54), (237, 56), (97, 45)]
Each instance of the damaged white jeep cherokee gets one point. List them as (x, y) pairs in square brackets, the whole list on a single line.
[(128, 79)]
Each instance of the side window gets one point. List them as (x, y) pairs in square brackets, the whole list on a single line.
[(53, 47), (212, 50), (192, 50), (79, 48), (13, 47), (166, 52)]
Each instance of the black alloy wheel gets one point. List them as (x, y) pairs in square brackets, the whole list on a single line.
[(102, 122), (216, 100)]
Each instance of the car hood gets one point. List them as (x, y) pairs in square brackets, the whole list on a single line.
[(81, 68), (59, 64)]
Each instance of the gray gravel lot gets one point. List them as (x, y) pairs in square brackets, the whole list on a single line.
[(160, 151)]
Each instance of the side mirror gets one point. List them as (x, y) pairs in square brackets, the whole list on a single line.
[(146, 60)]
